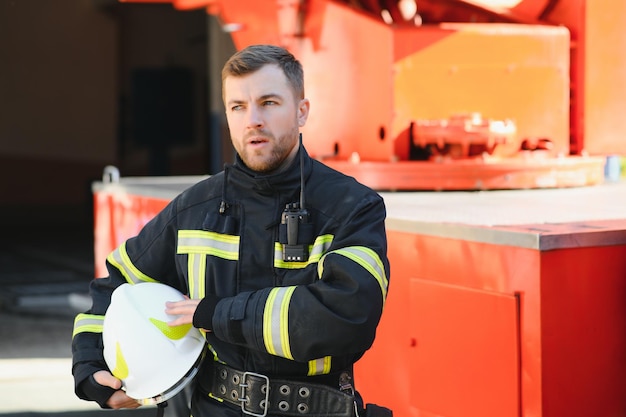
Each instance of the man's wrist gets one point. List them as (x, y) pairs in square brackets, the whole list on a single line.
[(203, 316), (96, 392)]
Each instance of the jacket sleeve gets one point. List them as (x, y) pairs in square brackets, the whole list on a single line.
[(336, 314), (124, 264), (87, 346)]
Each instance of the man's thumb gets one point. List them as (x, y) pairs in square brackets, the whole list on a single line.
[(105, 378)]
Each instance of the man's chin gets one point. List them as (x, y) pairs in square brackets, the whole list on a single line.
[(260, 166)]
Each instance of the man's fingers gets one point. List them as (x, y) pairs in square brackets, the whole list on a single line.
[(184, 309), (105, 378), (119, 399), (181, 307)]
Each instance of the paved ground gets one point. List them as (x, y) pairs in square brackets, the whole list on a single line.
[(44, 274)]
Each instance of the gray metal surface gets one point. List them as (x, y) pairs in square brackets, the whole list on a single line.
[(157, 187), (541, 219)]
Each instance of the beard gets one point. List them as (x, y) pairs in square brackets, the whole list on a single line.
[(265, 161)]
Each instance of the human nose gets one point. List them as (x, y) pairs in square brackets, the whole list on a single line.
[(255, 117)]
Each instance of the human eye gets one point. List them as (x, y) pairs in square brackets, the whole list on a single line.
[(236, 107)]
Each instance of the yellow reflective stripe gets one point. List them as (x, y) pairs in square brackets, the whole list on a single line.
[(319, 366), (316, 251), (196, 270), (276, 322), (212, 350), (87, 323), (119, 258), (215, 398), (209, 243), (279, 263), (369, 260)]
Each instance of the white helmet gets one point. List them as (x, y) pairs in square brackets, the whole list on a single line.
[(153, 360)]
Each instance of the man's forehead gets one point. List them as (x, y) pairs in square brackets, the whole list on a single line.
[(267, 81)]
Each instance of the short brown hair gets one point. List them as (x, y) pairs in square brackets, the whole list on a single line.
[(252, 58)]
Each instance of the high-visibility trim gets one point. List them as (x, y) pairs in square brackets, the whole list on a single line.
[(214, 353), (369, 260), (316, 251), (196, 270), (319, 366), (121, 367), (171, 332), (276, 322), (88, 323), (209, 243), (119, 258)]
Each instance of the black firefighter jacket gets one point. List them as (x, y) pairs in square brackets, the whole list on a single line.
[(222, 237)]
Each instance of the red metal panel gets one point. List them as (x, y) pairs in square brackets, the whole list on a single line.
[(384, 373), (103, 231), (117, 217), (345, 116), (583, 311), (572, 339), (466, 356)]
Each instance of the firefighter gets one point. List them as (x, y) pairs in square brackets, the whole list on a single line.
[(284, 262)]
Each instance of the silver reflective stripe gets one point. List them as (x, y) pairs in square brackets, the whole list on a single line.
[(119, 258), (320, 366), (209, 243), (319, 247), (369, 260), (91, 323), (276, 322)]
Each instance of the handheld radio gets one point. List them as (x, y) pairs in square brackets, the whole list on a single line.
[(296, 230)]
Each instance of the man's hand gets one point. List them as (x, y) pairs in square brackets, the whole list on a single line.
[(119, 399), (185, 309)]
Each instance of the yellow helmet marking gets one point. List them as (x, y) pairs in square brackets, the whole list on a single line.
[(171, 332), (121, 367)]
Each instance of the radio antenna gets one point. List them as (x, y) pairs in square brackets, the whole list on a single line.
[(302, 206), (293, 237)]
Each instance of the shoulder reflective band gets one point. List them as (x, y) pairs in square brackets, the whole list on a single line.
[(319, 366), (276, 320), (119, 258), (319, 247), (87, 323), (209, 243), (369, 260)]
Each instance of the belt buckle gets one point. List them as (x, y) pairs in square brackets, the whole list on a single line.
[(243, 385)]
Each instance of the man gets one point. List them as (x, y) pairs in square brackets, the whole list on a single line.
[(298, 311)]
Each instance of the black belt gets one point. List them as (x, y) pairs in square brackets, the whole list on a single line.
[(249, 390)]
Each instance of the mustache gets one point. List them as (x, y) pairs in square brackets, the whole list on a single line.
[(257, 132)]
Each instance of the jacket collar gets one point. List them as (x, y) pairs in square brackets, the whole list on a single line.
[(285, 181)]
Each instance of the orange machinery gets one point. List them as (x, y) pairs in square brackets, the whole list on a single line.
[(373, 76), (503, 303)]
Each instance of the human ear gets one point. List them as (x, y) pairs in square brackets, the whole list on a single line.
[(303, 111)]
